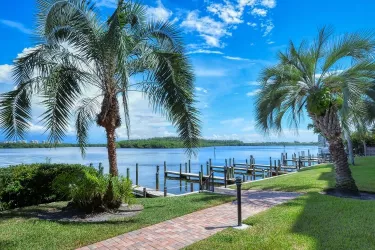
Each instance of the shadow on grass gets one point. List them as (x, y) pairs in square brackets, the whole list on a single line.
[(335, 223)]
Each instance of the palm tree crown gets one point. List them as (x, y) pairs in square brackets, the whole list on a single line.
[(329, 79), (78, 53)]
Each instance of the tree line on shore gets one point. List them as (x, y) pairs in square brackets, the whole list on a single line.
[(159, 142)]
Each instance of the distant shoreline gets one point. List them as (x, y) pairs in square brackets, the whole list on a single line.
[(159, 143)]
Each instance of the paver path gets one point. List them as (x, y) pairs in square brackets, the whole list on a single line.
[(185, 230)]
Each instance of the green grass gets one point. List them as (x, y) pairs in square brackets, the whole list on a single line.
[(319, 178), (19, 230), (312, 221)]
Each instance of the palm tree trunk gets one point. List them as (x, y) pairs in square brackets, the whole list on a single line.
[(364, 148), (350, 148), (344, 179), (329, 125), (112, 155)]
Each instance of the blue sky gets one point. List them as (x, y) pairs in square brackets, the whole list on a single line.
[(229, 42)]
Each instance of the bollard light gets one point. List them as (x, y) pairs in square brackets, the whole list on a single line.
[(239, 211)]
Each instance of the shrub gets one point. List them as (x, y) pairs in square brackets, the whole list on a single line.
[(93, 192), (25, 185)]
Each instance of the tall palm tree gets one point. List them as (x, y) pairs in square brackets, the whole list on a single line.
[(328, 78), (78, 53)]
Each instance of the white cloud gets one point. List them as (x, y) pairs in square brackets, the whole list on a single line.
[(253, 93), (270, 42), (233, 122), (259, 12), (269, 3), (204, 72), (228, 13), (203, 90), (253, 83), (252, 24), (204, 51), (159, 13), (267, 27), (16, 25), (236, 58), (212, 31), (6, 73), (244, 3)]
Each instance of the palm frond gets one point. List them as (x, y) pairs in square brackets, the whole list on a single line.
[(85, 116), (15, 111)]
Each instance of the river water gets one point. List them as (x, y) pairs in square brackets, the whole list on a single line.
[(148, 159)]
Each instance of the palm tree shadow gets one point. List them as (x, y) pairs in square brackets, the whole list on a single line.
[(334, 222)]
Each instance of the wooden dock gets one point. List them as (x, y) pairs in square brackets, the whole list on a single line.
[(184, 175), (149, 192)]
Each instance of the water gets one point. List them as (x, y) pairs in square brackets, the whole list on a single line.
[(149, 158)]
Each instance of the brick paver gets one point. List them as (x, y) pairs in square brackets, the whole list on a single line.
[(185, 230)]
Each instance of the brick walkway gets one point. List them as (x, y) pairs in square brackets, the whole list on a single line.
[(185, 230)]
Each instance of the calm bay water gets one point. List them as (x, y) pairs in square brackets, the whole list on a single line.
[(148, 159)]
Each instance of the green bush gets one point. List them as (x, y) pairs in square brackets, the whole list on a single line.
[(31, 184), (93, 192)]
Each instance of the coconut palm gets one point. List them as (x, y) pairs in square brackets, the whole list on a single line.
[(83, 68), (329, 79)]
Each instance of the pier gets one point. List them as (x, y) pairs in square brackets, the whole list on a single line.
[(210, 175)]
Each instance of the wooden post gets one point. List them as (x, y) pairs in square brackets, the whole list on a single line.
[(278, 167), (91, 165), (136, 174), (144, 193), (233, 162), (225, 176), (270, 173), (200, 180), (189, 166), (186, 167), (299, 164), (201, 168), (286, 157), (165, 168), (226, 162), (191, 187), (264, 174), (180, 170), (101, 169), (230, 162), (207, 168), (128, 173), (254, 174), (165, 191), (275, 166), (157, 178), (243, 178)]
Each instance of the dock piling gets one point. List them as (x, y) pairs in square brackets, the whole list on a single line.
[(136, 174), (144, 193), (128, 173)]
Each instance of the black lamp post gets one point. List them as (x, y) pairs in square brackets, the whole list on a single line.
[(239, 211)]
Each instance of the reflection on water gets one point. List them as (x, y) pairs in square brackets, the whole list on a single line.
[(148, 159)]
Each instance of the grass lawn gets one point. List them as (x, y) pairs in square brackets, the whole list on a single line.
[(319, 178), (20, 231), (312, 221)]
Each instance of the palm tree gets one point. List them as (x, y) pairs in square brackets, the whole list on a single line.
[(77, 54), (328, 78)]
